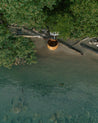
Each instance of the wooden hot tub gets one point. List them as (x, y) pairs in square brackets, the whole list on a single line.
[(52, 44)]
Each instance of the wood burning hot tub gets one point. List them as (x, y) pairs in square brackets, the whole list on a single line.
[(52, 44)]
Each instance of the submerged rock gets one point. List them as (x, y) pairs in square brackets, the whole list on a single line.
[(53, 118), (40, 121), (55, 121), (18, 105), (16, 110), (5, 118), (36, 116)]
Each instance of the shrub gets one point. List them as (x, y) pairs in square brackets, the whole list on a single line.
[(74, 18), (15, 51), (26, 12)]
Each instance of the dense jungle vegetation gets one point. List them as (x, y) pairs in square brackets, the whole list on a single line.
[(73, 19)]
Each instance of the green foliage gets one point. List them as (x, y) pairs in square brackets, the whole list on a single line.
[(14, 51), (72, 18), (79, 20), (62, 24), (85, 18), (27, 13)]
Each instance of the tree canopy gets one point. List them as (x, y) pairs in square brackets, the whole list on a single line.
[(15, 51), (72, 18)]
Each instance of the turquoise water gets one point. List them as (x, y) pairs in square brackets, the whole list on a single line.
[(55, 90)]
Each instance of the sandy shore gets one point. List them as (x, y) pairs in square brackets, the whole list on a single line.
[(62, 50)]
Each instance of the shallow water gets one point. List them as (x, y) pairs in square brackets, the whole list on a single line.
[(55, 90)]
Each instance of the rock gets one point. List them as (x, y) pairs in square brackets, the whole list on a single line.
[(16, 110), (5, 118), (40, 121), (55, 121), (35, 116), (24, 108), (52, 118), (27, 120)]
